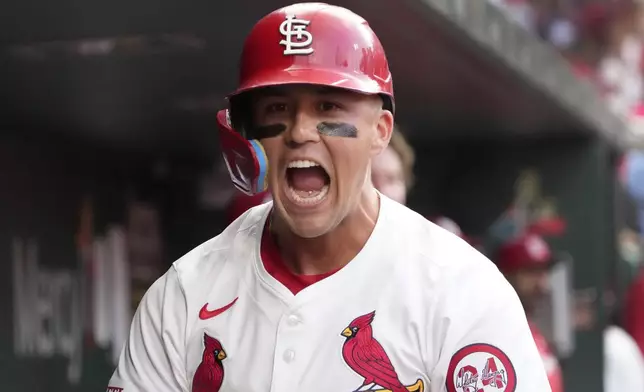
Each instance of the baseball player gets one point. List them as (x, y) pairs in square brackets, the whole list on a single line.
[(526, 260), (331, 286)]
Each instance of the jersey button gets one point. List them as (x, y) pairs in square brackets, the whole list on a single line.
[(289, 356), (293, 320)]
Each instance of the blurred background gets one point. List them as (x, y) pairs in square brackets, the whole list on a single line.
[(524, 126)]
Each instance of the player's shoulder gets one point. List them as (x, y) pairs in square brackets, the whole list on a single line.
[(435, 253), (212, 255)]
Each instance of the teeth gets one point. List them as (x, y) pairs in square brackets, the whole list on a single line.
[(301, 164), (310, 197)]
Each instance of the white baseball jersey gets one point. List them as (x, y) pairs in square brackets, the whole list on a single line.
[(417, 309)]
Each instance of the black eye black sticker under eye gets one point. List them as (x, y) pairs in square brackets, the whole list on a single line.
[(337, 129), (266, 131)]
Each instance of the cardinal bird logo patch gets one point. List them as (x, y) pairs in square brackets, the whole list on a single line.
[(210, 373), (480, 368), (365, 356)]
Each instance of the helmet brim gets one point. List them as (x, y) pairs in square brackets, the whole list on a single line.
[(317, 77)]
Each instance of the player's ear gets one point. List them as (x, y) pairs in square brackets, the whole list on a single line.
[(384, 127)]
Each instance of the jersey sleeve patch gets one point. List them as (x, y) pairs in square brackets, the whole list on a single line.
[(480, 368)]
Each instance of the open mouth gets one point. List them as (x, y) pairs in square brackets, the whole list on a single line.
[(308, 182)]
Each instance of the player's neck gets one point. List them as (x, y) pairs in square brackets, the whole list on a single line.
[(332, 251)]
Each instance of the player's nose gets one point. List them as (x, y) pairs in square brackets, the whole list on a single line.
[(304, 128)]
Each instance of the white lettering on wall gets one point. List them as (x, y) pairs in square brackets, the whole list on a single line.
[(46, 306), (50, 306)]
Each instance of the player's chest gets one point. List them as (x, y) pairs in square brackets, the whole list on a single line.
[(319, 347)]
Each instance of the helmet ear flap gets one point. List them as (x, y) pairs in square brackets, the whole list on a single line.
[(245, 160)]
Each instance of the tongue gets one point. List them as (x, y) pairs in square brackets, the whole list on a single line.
[(307, 179)]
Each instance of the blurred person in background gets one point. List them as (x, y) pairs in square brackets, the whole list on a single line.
[(554, 23), (591, 23), (392, 172), (620, 70), (603, 42), (525, 261)]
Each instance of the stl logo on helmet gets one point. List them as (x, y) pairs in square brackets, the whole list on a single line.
[(297, 40), (480, 368)]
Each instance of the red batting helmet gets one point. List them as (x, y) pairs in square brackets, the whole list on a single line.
[(526, 251), (307, 43)]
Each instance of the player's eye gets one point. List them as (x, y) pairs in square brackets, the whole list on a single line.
[(327, 106), (276, 107)]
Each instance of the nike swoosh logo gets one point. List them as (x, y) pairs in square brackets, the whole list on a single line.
[(206, 314)]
